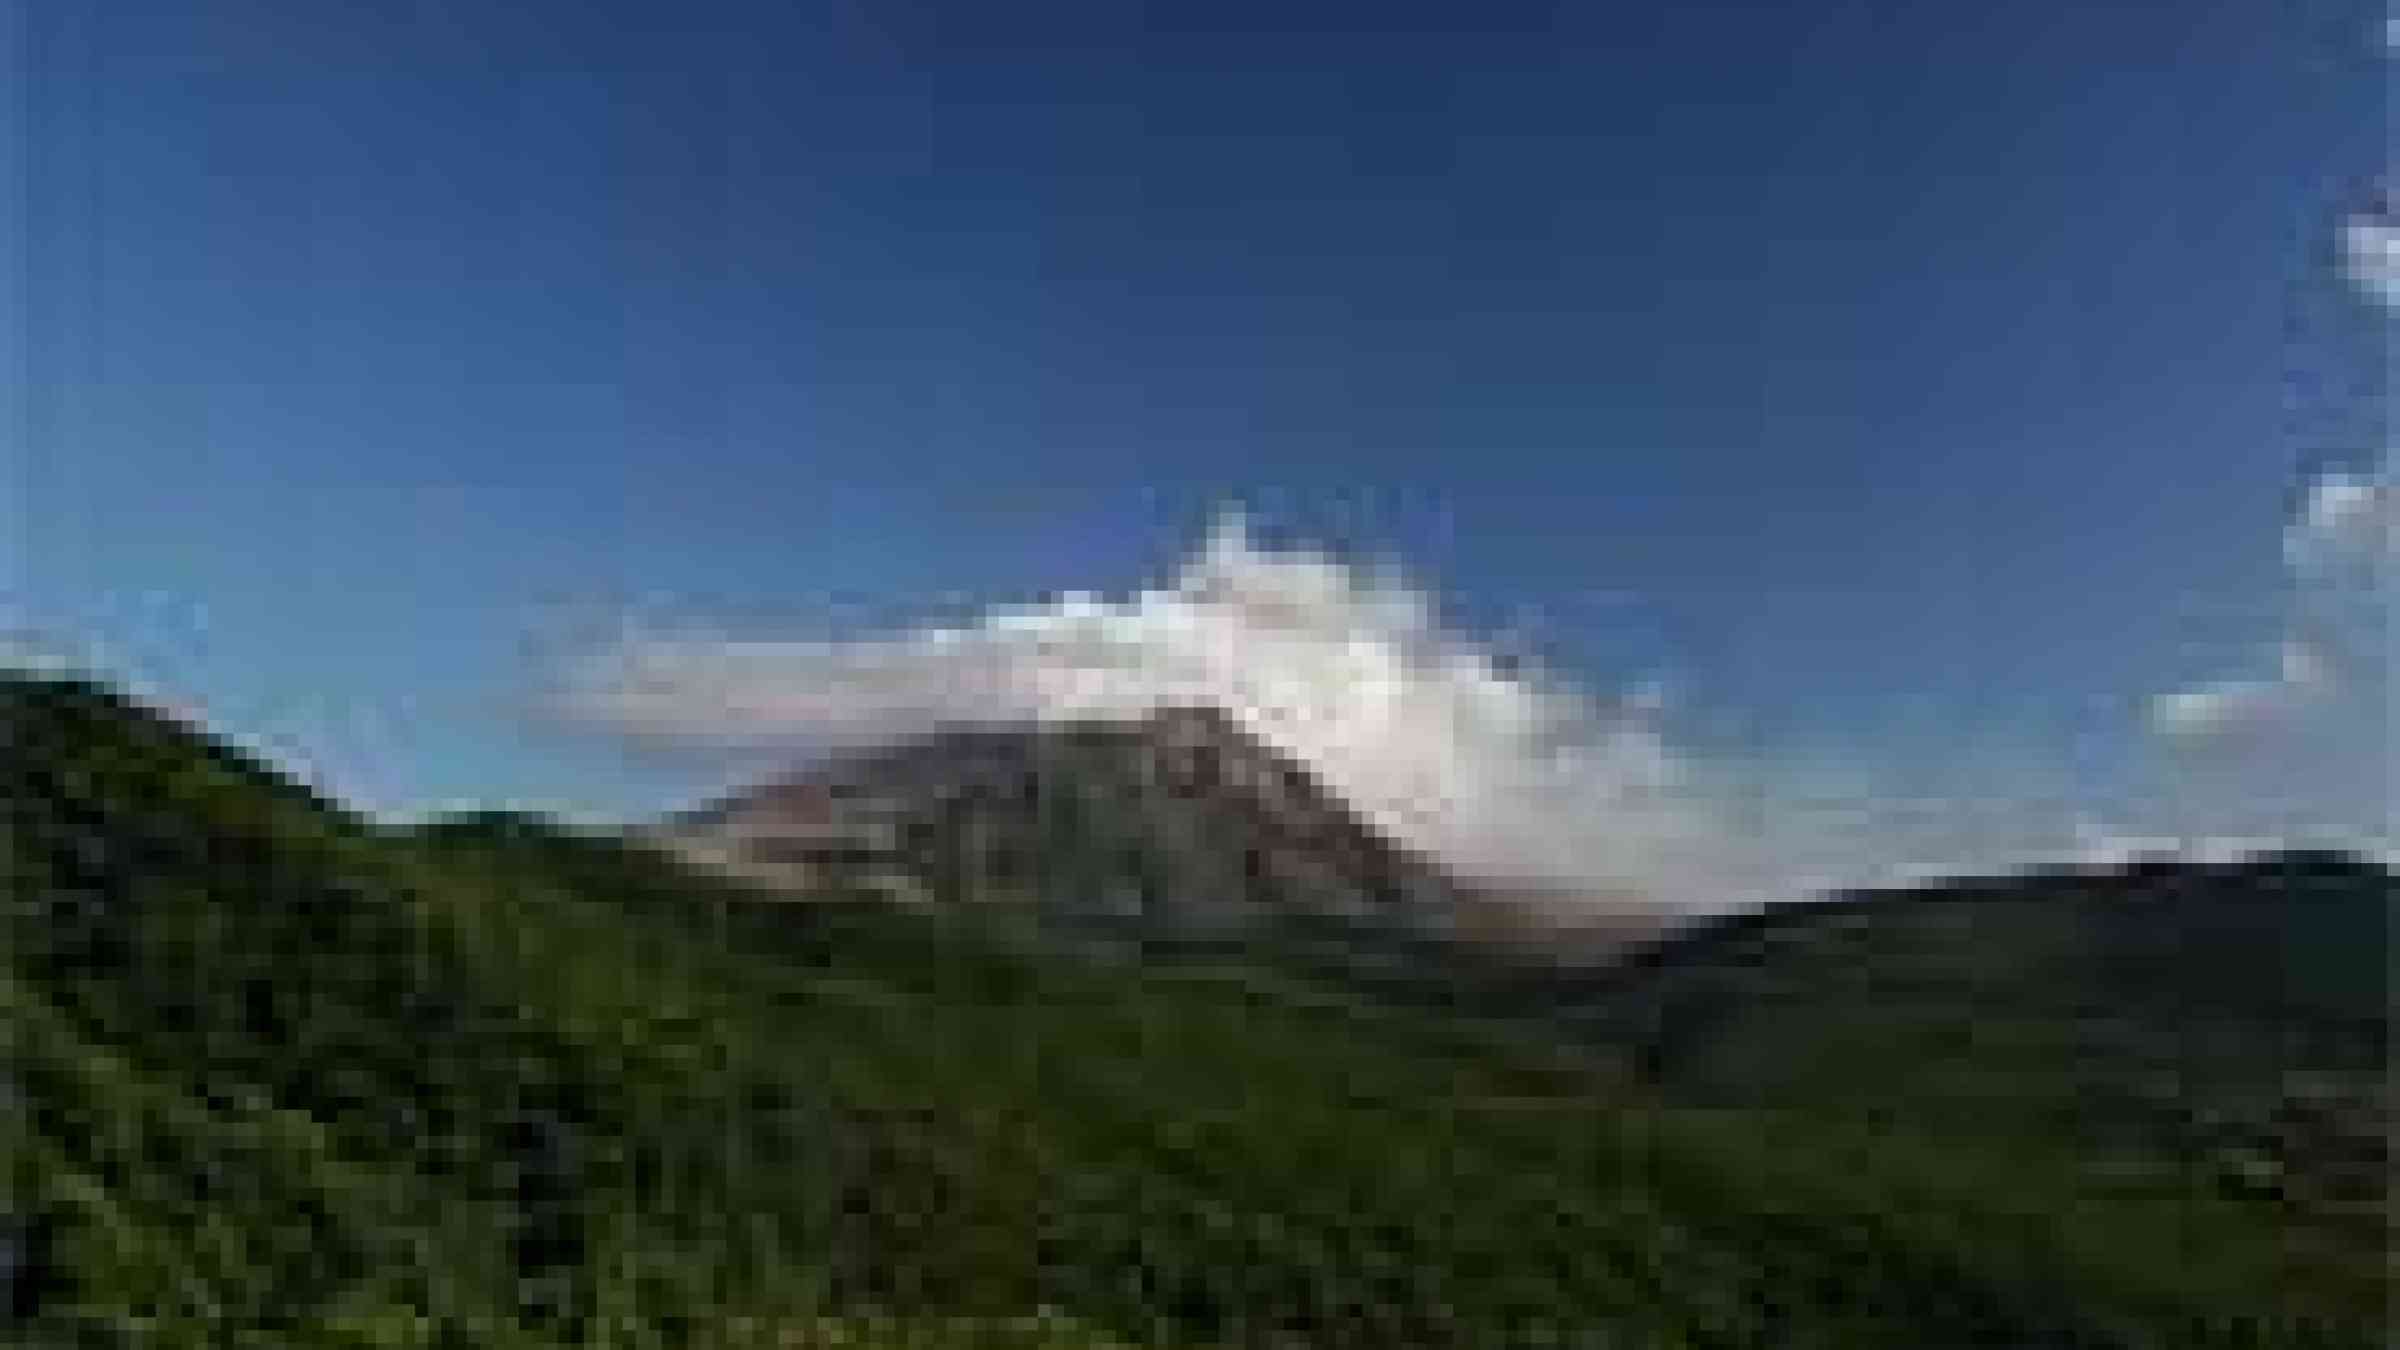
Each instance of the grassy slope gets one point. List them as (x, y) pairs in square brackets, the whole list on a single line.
[(289, 1080)]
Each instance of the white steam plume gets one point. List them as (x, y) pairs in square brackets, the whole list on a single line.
[(1507, 776), (1348, 672)]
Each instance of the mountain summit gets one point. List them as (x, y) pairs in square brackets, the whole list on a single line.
[(1178, 822), (1179, 816)]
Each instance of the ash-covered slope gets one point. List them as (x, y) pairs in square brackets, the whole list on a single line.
[(1180, 820)]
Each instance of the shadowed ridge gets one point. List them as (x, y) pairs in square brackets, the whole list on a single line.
[(50, 720), (2225, 1020)]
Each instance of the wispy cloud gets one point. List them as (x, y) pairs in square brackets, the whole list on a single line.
[(2308, 749), (2310, 744), (2371, 255), (2224, 707), (2345, 532), (2339, 547), (2369, 239)]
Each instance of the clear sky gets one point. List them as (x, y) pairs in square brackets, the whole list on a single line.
[(1895, 384)]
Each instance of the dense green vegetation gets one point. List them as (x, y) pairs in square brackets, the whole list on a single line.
[(2231, 1019), (276, 1076)]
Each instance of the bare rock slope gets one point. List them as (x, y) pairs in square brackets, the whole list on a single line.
[(1180, 821)]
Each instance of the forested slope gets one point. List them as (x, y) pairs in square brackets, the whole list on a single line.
[(280, 1077)]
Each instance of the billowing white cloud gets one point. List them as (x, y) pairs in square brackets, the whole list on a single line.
[(1505, 773), (1496, 771)]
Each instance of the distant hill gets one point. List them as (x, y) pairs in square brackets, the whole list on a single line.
[(2232, 1020), (278, 1076)]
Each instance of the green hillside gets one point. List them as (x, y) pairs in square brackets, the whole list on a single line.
[(2229, 1019), (278, 1077)]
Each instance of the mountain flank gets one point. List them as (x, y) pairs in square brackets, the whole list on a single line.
[(1178, 823)]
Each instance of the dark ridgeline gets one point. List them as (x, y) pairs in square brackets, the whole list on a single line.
[(2227, 1020)]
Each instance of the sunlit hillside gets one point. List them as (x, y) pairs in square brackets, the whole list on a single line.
[(282, 1076)]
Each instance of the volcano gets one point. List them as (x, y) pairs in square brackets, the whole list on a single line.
[(1179, 821)]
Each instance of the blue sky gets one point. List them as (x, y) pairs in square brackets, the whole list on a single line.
[(1896, 384)]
